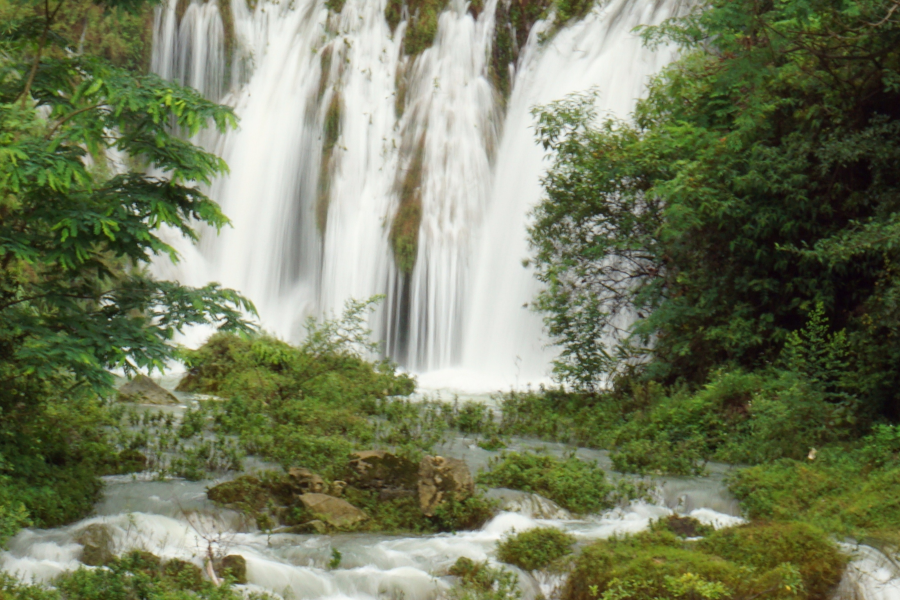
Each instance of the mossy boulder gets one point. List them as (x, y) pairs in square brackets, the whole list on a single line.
[(97, 544), (246, 493), (768, 545), (233, 566), (380, 470), (535, 548), (751, 561), (185, 575), (441, 480), (686, 527)]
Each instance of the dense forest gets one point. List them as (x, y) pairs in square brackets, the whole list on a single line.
[(720, 270)]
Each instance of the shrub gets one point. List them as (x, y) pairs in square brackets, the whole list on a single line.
[(535, 548), (479, 581), (777, 562), (574, 484), (766, 546)]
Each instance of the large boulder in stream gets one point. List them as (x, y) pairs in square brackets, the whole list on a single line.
[(143, 390), (97, 544), (442, 479), (380, 470), (334, 511)]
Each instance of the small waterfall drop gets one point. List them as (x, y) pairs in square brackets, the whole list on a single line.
[(358, 170)]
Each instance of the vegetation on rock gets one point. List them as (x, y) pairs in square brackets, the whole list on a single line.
[(802, 563), (404, 235), (535, 548), (572, 483)]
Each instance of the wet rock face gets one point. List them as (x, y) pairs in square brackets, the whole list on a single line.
[(378, 470), (333, 511), (97, 543), (441, 479), (143, 390)]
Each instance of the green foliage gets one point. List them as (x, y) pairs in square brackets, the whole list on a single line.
[(458, 515), (535, 548), (335, 561), (480, 581), (71, 306), (801, 563), (574, 484), (847, 493), (335, 6), (135, 575), (701, 234), (765, 546), (686, 527)]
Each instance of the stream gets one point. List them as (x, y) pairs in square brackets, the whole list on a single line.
[(173, 519)]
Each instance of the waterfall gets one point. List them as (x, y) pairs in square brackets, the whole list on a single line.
[(358, 170)]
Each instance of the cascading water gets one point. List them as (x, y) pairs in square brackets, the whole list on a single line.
[(358, 170)]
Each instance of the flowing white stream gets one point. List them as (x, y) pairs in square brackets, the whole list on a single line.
[(312, 221), (153, 515)]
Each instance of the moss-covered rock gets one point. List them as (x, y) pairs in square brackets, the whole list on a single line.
[(535, 548), (245, 493), (686, 527), (767, 545), (183, 574), (97, 544), (234, 567), (751, 561), (381, 470)]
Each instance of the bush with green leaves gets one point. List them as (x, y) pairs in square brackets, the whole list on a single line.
[(535, 548), (572, 483), (138, 574), (846, 492), (480, 581)]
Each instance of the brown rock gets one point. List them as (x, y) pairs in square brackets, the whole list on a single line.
[(441, 479), (143, 390), (97, 544), (304, 481), (377, 469), (334, 511)]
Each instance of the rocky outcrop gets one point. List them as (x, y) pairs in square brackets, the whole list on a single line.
[(304, 481), (97, 544), (380, 470), (143, 390), (442, 479), (334, 511)]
